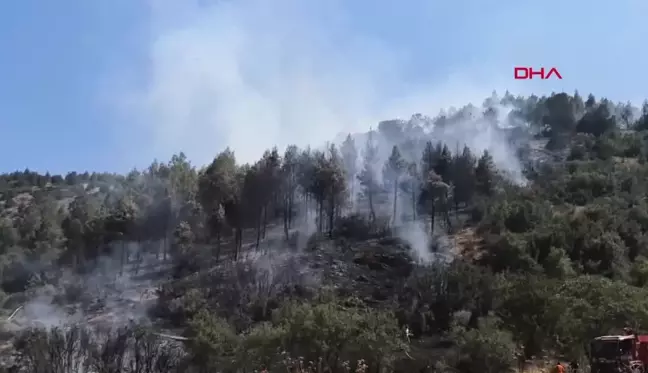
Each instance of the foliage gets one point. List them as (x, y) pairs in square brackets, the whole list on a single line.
[(328, 333), (557, 253)]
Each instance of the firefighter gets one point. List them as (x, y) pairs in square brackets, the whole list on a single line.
[(408, 333), (573, 366), (558, 368)]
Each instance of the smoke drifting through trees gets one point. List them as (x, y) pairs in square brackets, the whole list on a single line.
[(306, 188), (404, 171), (231, 234), (401, 154)]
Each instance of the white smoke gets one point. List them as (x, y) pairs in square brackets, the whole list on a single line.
[(251, 74), (469, 126), (107, 296), (415, 234)]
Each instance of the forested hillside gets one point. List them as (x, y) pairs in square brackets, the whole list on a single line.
[(499, 234)]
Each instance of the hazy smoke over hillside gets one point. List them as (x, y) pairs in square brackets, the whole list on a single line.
[(469, 128), (250, 75), (106, 297)]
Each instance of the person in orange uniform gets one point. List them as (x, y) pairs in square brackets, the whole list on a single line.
[(558, 368)]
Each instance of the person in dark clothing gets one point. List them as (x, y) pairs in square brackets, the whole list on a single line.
[(573, 366)]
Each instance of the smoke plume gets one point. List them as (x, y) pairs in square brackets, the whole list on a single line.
[(251, 75)]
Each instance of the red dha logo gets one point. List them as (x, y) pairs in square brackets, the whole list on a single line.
[(523, 73)]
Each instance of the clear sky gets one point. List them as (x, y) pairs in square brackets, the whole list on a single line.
[(109, 85)]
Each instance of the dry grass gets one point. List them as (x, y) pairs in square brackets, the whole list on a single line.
[(541, 367), (534, 369), (626, 162), (467, 244), (299, 365)]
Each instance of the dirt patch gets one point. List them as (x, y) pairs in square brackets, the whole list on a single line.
[(578, 211), (627, 162), (468, 244)]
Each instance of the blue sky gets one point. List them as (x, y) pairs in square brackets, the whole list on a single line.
[(109, 85)]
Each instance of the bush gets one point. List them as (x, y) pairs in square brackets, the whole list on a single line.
[(483, 350), (214, 344), (321, 336), (339, 333), (355, 227)]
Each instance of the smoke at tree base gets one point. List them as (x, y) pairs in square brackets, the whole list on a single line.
[(422, 245)]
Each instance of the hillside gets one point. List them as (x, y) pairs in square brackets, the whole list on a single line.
[(484, 239)]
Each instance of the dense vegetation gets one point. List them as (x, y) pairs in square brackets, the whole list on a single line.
[(540, 267)]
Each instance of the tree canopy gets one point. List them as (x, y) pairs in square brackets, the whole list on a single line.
[(547, 223)]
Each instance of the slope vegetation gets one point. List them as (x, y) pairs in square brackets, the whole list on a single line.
[(483, 239)]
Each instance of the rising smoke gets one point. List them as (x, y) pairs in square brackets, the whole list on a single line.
[(223, 71), (251, 75), (488, 127), (109, 296), (287, 73)]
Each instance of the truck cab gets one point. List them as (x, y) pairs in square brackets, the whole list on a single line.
[(619, 354)]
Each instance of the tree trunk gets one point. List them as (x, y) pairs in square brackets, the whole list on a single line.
[(432, 215), (413, 203), (352, 194), (122, 256), (291, 204), (306, 208), (395, 202), (446, 214), (320, 225), (165, 241), (265, 220), (331, 216), (238, 238), (285, 217), (372, 213), (138, 259), (218, 244), (258, 229)]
